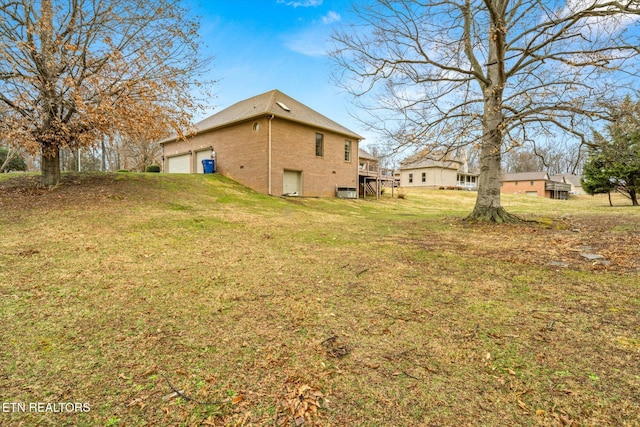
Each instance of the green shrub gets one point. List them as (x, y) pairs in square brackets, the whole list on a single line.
[(17, 163), (153, 168), (123, 170)]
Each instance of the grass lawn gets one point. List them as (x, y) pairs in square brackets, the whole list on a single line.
[(189, 300)]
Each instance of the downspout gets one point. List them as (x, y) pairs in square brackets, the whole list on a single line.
[(270, 118)]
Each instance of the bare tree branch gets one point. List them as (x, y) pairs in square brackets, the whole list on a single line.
[(446, 74)]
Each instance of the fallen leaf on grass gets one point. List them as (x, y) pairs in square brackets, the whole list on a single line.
[(523, 406), (150, 371), (137, 402), (239, 398), (301, 406), (172, 395)]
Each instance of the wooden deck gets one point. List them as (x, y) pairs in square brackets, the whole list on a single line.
[(373, 178)]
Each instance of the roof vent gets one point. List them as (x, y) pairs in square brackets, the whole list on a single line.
[(284, 107)]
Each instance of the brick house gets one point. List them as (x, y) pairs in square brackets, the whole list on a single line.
[(272, 144), (534, 184)]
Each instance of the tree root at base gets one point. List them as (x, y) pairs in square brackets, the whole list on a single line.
[(493, 215)]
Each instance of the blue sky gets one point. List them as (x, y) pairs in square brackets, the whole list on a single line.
[(261, 45)]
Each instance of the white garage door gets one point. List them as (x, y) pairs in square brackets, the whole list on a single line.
[(292, 182), (179, 164), (200, 156)]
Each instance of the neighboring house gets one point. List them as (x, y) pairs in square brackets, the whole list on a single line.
[(371, 177), (272, 144), (466, 180), (572, 180), (534, 184), (427, 172)]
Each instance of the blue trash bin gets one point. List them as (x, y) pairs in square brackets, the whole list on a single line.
[(208, 165)]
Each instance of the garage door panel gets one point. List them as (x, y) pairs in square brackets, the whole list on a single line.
[(292, 182), (179, 164)]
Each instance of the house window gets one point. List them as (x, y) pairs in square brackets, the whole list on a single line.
[(347, 151), (424, 177), (319, 145), (531, 182), (410, 178)]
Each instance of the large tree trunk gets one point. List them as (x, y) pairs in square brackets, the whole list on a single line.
[(488, 206), (634, 197), (50, 167), (50, 149)]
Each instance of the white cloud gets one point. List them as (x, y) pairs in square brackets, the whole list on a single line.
[(331, 17), (602, 23), (309, 43), (315, 39), (301, 3)]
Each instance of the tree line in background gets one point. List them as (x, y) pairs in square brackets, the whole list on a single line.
[(111, 154)]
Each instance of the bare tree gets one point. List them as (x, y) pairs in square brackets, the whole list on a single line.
[(74, 71), (142, 152), (551, 158), (497, 73)]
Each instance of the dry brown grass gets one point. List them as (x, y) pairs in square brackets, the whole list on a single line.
[(121, 290)]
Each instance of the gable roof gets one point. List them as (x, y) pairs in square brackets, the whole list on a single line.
[(568, 178), (269, 103), (525, 176), (362, 154), (427, 159)]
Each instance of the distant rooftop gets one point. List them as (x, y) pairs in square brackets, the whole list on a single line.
[(525, 176), (430, 159), (362, 154)]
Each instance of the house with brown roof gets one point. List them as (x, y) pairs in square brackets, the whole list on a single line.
[(273, 144), (534, 184)]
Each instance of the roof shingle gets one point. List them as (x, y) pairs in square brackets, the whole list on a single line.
[(268, 103)]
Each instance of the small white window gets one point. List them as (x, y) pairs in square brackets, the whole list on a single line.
[(347, 151)]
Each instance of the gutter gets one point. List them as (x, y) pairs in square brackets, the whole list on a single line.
[(269, 166)]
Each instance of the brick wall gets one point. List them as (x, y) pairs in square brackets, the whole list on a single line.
[(294, 148), (522, 187), (242, 155)]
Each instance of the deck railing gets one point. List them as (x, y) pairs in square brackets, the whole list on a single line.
[(557, 186), (373, 169)]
